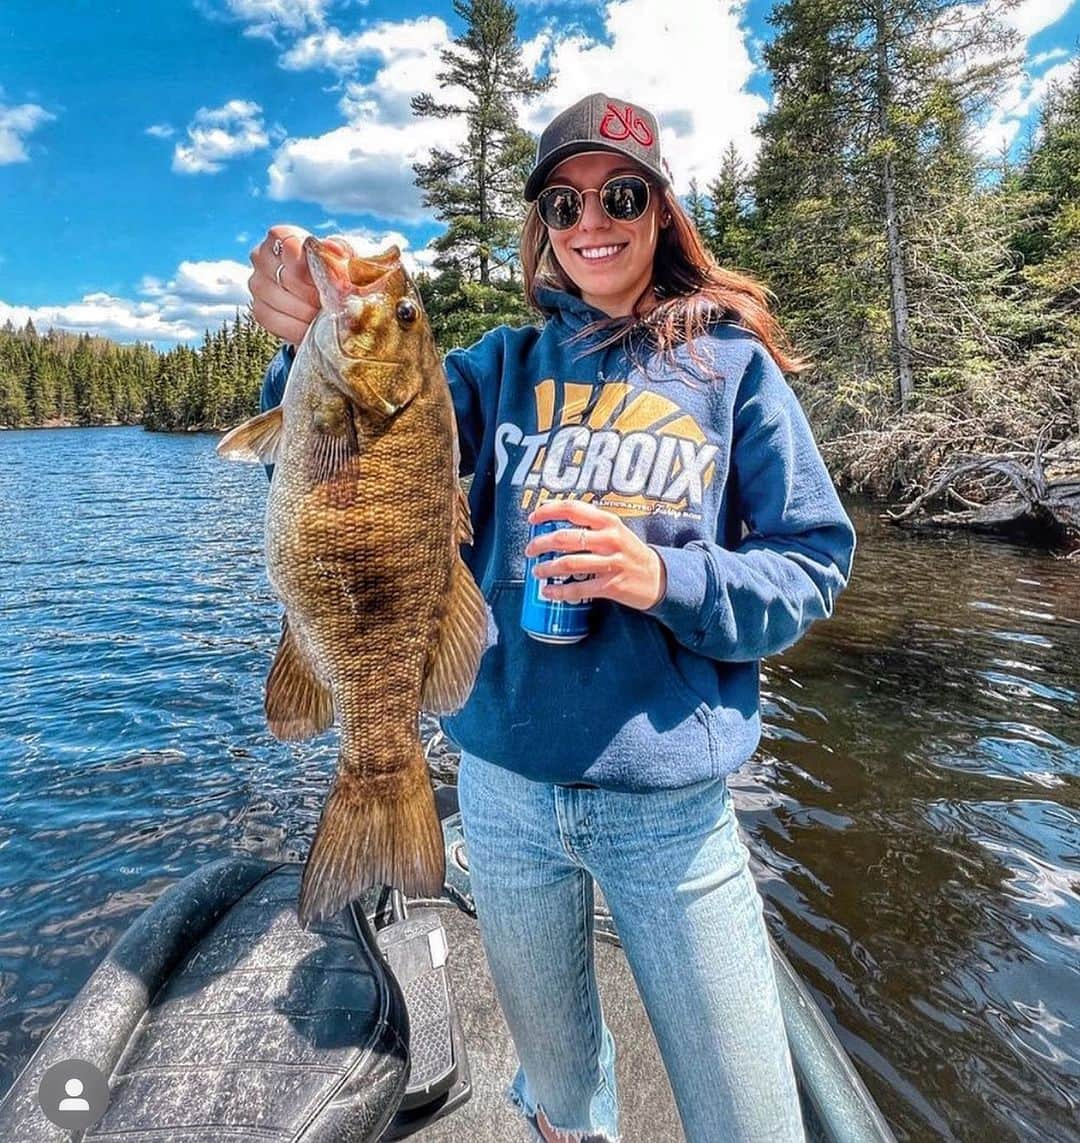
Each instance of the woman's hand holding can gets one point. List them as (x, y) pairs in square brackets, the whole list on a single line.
[(624, 568)]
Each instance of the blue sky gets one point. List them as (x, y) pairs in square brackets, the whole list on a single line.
[(145, 147)]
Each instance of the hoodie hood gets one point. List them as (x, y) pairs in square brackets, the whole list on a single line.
[(568, 307)]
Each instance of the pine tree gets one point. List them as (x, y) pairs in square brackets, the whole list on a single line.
[(727, 229), (697, 209), (1050, 245), (477, 191), (866, 95)]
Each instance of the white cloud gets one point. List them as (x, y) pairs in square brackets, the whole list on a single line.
[(1022, 95), (1046, 57), (218, 134), (200, 296), (103, 314), (1032, 16), (701, 103), (211, 282), (17, 122), (386, 40), (161, 130), (269, 18), (366, 165), (367, 242)]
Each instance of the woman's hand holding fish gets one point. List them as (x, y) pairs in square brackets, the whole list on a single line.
[(284, 300), (624, 567)]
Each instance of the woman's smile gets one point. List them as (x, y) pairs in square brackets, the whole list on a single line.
[(600, 253)]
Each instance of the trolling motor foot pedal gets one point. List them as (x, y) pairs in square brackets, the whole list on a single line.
[(415, 947)]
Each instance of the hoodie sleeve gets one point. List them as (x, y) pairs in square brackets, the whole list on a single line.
[(273, 385), (760, 598), (277, 373), (463, 368)]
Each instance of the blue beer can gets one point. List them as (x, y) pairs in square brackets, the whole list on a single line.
[(551, 620)]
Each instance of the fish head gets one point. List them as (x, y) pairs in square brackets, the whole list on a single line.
[(372, 332)]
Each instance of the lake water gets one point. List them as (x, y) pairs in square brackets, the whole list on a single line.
[(914, 808)]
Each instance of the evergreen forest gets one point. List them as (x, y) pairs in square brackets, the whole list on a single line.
[(935, 293)]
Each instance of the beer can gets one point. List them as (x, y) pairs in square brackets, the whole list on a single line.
[(551, 620)]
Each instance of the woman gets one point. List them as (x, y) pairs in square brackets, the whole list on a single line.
[(650, 411)]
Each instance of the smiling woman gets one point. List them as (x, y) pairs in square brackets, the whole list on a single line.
[(576, 758)]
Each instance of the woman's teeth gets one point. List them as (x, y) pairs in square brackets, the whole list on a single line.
[(592, 253)]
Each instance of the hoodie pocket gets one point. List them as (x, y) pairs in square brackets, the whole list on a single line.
[(693, 674), (614, 699)]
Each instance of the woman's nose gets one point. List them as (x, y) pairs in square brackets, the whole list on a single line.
[(592, 213)]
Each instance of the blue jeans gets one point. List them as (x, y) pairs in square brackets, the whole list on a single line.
[(674, 872)]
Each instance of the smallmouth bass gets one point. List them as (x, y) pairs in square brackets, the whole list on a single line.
[(364, 519)]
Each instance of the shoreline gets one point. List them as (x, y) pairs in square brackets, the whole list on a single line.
[(110, 425), (54, 424)]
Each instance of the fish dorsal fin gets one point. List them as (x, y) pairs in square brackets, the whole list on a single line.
[(463, 637), (256, 440), (463, 532), (297, 705)]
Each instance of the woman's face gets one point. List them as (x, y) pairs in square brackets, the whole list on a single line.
[(612, 281)]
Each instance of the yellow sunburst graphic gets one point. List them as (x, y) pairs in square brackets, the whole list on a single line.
[(617, 406)]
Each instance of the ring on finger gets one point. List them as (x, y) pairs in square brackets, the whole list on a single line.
[(277, 248), (278, 272), (584, 537)]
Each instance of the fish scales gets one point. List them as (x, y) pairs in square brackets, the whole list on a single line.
[(363, 525), (376, 534)]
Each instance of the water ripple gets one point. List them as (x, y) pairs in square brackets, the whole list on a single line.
[(913, 811)]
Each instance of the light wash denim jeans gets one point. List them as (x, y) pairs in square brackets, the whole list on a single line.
[(674, 871)]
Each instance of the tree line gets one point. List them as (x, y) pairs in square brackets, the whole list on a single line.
[(63, 378), (936, 292)]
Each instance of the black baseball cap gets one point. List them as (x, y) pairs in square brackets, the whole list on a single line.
[(598, 123)]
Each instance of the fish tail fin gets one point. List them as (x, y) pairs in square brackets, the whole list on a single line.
[(374, 838)]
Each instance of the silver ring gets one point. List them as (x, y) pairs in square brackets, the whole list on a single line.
[(277, 273), (278, 246), (584, 544)]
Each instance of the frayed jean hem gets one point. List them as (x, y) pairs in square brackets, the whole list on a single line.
[(602, 1112)]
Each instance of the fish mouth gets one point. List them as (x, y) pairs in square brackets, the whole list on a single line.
[(346, 284)]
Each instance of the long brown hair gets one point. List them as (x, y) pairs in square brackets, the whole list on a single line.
[(689, 291)]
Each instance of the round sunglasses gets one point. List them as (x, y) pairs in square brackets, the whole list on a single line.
[(624, 198)]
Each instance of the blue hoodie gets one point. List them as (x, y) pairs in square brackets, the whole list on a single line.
[(721, 476)]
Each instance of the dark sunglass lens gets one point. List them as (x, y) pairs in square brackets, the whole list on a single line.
[(625, 198), (559, 207)]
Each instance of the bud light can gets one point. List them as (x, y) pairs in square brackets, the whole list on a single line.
[(551, 620)]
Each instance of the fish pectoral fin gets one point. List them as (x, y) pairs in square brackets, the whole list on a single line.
[(297, 705), (463, 637), (255, 440), (330, 452)]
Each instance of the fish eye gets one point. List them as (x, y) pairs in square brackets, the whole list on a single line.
[(407, 311)]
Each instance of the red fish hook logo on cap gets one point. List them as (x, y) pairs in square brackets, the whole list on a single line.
[(619, 125)]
